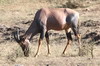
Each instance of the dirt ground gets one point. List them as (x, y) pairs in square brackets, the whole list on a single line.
[(22, 14)]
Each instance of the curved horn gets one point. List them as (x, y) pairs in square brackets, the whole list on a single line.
[(16, 35)]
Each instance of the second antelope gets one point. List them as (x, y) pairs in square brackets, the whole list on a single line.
[(46, 19)]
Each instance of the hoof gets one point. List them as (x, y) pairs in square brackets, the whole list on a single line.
[(48, 54), (36, 55), (63, 55)]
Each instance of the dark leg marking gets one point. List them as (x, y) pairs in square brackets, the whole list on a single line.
[(47, 40)]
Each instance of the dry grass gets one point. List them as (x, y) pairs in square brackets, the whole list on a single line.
[(12, 55), (13, 12)]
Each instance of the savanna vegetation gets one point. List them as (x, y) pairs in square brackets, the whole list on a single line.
[(20, 14)]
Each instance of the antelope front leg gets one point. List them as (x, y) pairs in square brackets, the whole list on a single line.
[(47, 40), (42, 34), (38, 47)]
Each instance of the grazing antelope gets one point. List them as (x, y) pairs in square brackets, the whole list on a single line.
[(47, 19)]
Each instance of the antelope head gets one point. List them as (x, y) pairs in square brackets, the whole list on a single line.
[(23, 42)]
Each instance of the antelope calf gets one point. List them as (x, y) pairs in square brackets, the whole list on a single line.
[(46, 19)]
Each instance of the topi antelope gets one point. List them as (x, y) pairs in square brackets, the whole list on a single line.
[(46, 19)]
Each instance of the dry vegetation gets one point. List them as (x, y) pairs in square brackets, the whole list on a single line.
[(20, 13)]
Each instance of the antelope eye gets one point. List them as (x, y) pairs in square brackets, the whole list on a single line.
[(22, 39)]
